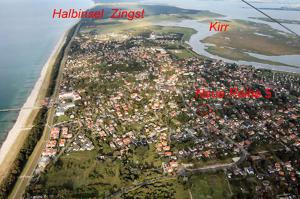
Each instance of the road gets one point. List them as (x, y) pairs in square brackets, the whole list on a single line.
[(212, 168), (18, 109), (32, 162)]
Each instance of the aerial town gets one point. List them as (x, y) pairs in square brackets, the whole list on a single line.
[(129, 124)]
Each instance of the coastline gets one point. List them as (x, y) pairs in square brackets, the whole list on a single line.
[(16, 136)]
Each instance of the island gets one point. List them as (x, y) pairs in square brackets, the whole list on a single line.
[(246, 37)]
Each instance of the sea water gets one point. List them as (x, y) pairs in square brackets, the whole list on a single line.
[(28, 34)]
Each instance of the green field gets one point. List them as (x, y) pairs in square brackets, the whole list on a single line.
[(183, 53), (81, 168), (214, 186), (244, 187), (141, 27), (153, 13), (147, 156), (80, 174), (164, 188)]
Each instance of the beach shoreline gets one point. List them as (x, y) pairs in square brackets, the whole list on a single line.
[(23, 123)]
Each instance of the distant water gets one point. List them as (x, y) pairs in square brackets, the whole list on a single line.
[(28, 35), (236, 9)]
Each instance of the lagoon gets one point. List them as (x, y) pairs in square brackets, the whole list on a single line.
[(236, 9)]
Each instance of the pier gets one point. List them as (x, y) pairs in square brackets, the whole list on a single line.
[(19, 109)]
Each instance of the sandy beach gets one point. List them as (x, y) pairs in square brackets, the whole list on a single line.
[(13, 142)]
